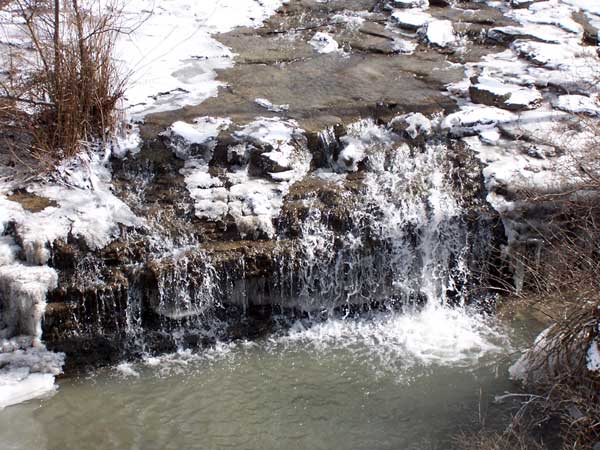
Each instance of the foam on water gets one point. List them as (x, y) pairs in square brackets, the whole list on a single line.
[(435, 335), (396, 343)]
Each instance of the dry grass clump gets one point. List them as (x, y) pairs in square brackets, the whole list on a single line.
[(63, 90)]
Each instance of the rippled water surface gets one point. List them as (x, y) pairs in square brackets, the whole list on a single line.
[(392, 381)]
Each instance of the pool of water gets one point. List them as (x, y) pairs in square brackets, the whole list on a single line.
[(387, 381)]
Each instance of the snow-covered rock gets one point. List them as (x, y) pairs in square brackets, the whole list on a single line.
[(413, 124), (472, 119), (324, 43), (263, 102), (440, 33), (512, 33), (184, 136), (494, 92), (361, 137), (578, 104), (411, 3), (411, 19)]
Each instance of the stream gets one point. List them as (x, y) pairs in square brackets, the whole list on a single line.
[(404, 380)]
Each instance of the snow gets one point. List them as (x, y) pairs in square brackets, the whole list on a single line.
[(324, 43), (411, 19), (593, 357), (252, 202), (475, 117), (270, 106), (166, 72), (403, 46), (552, 56), (578, 104), (440, 33), (352, 19), (272, 132), (541, 32)]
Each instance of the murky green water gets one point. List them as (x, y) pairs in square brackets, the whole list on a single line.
[(393, 381)]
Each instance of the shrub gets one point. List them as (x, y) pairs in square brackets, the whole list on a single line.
[(65, 90)]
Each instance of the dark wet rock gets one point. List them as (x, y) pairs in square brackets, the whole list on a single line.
[(31, 202), (590, 32), (354, 86)]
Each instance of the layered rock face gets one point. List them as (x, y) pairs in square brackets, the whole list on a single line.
[(358, 154), (261, 219)]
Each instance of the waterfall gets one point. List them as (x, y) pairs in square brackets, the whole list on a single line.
[(365, 220), (407, 238)]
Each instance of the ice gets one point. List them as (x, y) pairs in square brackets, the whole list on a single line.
[(361, 136), (414, 124), (26, 372), (252, 202), (24, 290), (82, 205), (30, 386)]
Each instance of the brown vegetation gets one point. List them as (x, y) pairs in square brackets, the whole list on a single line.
[(65, 90), (561, 266)]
